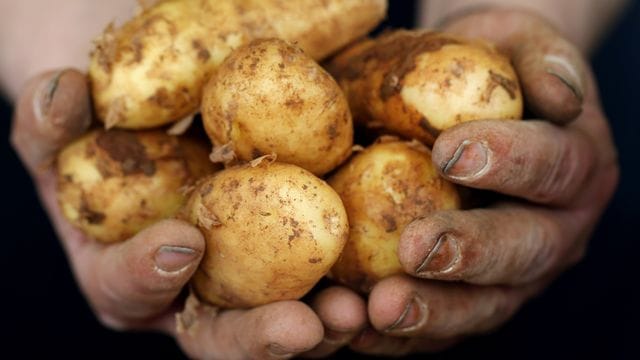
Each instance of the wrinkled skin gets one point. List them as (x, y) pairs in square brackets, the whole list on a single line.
[(560, 170), (567, 175)]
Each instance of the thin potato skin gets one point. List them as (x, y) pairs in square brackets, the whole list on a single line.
[(419, 83), (384, 188), (112, 184), (272, 231), (151, 71), (269, 97)]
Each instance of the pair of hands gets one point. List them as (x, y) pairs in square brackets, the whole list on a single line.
[(557, 174)]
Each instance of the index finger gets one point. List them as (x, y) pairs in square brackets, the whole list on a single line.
[(551, 69), (53, 109)]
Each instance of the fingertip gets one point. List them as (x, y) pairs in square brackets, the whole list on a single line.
[(281, 330), (175, 247), (341, 309), (551, 95), (53, 109), (388, 303), (426, 245), (174, 232)]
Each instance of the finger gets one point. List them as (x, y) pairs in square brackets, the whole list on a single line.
[(528, 159), (550, 68), (130, 282), (343, 314), (274, 331), (403, 306), (508, 244), (52, 110), (372, 342)]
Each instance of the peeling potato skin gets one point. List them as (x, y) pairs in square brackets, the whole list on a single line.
[(272, 232), (384, 188), (112, 184), (151, 71), (419, 83), (270, 97)]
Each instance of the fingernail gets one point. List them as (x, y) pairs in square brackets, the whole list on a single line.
[(44, 99), (174, 258), (469, 160), (279, 351), (561, 68), (335, 337), (441, 257), (413, 317)]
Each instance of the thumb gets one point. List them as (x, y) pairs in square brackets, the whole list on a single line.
[(53, 109)]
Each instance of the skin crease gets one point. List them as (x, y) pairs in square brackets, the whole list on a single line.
[(141, 297)]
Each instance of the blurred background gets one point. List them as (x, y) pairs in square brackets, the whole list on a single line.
[(589, 312)]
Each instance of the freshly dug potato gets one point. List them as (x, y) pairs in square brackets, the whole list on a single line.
[(151, 71), (269, 97), (272, 231), (112, 184), (384, 188), (418, 83)]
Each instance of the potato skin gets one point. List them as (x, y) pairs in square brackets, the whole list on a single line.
[(269, 97), (384, 188), (151, 71), (418, 83), (112, 184), (272, 232)]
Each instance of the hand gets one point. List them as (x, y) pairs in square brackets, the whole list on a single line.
[(557, 174), (137, 284)]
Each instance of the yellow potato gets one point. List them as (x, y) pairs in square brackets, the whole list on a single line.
[(269, 97), (384, 188), (418, 83), (151, 71), (112, 184), (272, 231)]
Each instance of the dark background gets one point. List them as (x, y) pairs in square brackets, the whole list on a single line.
[(588, 312)]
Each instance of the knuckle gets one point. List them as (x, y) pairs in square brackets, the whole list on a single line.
[(563, 174), (543, 238)]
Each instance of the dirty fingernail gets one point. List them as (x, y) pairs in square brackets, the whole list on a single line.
[(413, 317), (174, 258), (44, 97), (441, 257), (279, 351), (470, 159), (562, 69)]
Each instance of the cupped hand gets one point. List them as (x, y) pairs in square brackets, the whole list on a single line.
[(469, 271), (139, 284)]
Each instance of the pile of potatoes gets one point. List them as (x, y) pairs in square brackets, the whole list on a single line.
[(281, 193)]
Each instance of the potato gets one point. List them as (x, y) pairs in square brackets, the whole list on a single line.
[(384, 188), (418, 83), (272, 231), (151, 71), (112, 184), (269, 97)]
